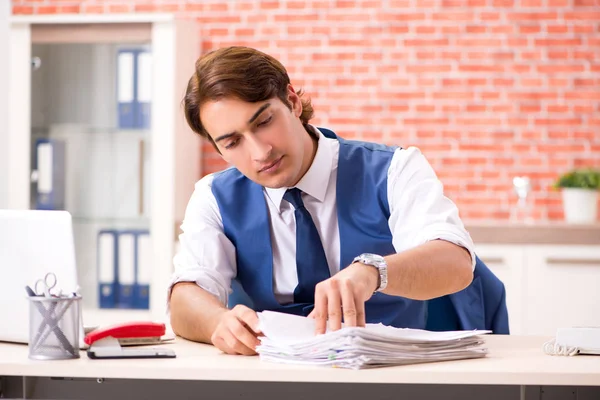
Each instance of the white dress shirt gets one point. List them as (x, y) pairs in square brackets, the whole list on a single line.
[(419, 212)]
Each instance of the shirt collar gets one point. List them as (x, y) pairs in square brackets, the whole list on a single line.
[(315, 180)]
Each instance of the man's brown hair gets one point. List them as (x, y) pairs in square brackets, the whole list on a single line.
[(238, 72)]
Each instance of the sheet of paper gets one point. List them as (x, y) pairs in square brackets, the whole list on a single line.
[(290, 329), (291, 339)]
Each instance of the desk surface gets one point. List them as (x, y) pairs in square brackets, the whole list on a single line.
[(513, 360)]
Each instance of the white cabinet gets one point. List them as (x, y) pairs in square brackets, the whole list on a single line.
[(547, 286), (563, 288), (143, 179)]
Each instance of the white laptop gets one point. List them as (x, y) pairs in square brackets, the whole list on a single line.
[(32, 243)]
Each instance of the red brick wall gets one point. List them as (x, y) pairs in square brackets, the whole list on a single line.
[(488, 89)]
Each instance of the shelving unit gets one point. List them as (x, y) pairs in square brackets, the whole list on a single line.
[(116, 178)]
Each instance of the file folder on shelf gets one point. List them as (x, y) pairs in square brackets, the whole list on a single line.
[(107, 268), (50, 167), (144, 88), (126, 270), (134, 88), (125, 88), (143, 271)]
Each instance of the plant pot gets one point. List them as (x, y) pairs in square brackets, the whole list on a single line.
[(580, 205)]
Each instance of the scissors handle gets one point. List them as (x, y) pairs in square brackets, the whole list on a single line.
[(48, 283), (50, 277)]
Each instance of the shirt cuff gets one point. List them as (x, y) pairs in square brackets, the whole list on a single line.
[(205, 282), (460, 243), (453, 235)]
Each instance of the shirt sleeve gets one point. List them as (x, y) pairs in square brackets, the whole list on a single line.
[(419, 211), (205, 255)]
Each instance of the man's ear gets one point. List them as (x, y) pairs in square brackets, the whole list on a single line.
[(295, 101)]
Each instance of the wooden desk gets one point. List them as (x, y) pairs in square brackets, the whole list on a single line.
[(513, 363)]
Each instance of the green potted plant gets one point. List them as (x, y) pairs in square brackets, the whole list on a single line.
[(580, 194)]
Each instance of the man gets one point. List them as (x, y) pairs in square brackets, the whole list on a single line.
[(306, 222)]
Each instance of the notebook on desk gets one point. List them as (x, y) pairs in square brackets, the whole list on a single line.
[(32, 244)]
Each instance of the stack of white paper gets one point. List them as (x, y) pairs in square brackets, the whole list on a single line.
[(291, 339)]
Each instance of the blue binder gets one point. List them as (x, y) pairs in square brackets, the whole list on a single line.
[(126, 268), (143, 270), (127, 107), (50, 166), (134, 79), (107, 268), (143, 88)]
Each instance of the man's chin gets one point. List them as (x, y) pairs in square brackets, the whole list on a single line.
[(275, 182), (274, 185)]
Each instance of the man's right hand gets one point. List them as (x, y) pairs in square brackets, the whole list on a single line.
[(237, 331)]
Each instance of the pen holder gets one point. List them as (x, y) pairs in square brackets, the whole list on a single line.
[(54, 327)]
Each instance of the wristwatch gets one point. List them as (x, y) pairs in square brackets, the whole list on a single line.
[(378, 262)]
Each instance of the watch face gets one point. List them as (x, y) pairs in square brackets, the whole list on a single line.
[(373, 257)]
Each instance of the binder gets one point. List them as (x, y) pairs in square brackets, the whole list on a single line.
[(144, 88), (125, 89), (134, 88), (50, 166), (107, 267), (143, 271), (126, 270)]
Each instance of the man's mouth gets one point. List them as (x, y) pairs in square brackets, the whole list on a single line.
[(271, 165)]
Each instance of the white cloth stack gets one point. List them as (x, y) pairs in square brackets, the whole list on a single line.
[(291, 339)]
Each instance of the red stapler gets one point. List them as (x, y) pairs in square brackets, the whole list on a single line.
[(107, 342)]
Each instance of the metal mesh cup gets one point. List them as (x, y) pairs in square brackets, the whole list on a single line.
[(54, 327)]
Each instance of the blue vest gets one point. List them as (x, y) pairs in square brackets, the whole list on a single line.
[(363, 213), (481, 305)]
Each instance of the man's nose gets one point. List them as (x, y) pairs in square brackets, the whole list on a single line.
[(260, 150)]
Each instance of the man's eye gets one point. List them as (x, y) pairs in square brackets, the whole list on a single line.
[(265, 122), (232, 144)]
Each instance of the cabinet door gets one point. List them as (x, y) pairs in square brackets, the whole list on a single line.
[(563, 288), (506, 262)]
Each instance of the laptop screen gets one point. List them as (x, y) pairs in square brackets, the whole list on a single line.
[(32, 244)]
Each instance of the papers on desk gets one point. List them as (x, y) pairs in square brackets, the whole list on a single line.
[(290, 339)]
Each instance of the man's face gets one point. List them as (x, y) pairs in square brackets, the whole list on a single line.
[(265, 141)]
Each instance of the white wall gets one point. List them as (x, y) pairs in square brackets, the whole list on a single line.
[(4, 79)]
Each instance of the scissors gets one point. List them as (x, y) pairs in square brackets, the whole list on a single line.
[(47, 284)]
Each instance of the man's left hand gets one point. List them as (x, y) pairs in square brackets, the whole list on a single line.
[(344, 295)]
